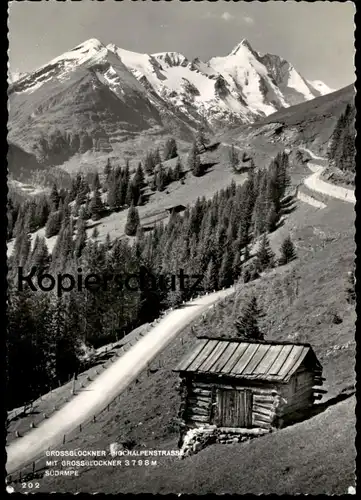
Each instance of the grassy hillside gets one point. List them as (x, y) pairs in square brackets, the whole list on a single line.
[(323, 464), (309, 124), (145, 413)]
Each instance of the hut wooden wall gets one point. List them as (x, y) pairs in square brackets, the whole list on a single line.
[(302, 390), (199, 397), (199, 402)]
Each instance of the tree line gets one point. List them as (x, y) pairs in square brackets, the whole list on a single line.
[(341, 150)]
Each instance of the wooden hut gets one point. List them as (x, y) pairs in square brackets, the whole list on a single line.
[(233, 383), (176, 209)]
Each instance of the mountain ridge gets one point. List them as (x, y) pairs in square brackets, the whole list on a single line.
[(108, 95)]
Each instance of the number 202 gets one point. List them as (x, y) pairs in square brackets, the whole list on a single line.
[(30, 485)]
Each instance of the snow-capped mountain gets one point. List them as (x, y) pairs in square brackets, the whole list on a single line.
[(242, 85), (95, 96), (85, 99)]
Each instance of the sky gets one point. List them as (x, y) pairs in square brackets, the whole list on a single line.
[(317, 38)]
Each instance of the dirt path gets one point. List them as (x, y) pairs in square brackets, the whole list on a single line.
[(107, 386)]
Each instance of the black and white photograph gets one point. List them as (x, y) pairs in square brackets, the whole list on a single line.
[(181, 290)]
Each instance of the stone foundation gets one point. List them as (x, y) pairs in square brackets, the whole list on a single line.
[(197, 439)]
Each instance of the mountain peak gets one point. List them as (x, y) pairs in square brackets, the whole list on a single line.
[(92, 43), (244, 43)]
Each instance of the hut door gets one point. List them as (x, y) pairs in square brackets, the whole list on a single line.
[(234, 408)]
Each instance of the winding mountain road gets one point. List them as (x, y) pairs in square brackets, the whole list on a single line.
[(106, 386), (314, 182)]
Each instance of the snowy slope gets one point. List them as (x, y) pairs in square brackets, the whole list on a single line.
[(89, 54), (268, 82), (321, 87), (14, 76), (194, 87)]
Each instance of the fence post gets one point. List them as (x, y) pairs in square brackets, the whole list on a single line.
[(79, 427), (94, 419), (64, 439)]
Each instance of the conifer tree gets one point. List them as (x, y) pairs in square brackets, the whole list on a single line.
[(247, 323), (259, 216), (25, 249), (112, 193), (121, 193), (96, 205), (194, 161), (81, 238), (107, 173), (160, 178), (288, 252), (149, 163), (264, 255), (272, 218), (107, 243), (54, 198), (178, 170), (53, 224), (234, 159), (211, 277), (170, 149), (225, 277), (201, 141), (139, 176), (336, 137), (129, 196), (348, 151), (132, 221), (236, 265), (64, 246), (40, 257), (82, 193), (41, 212), (127, 172), (96, 182), (156, 157)]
